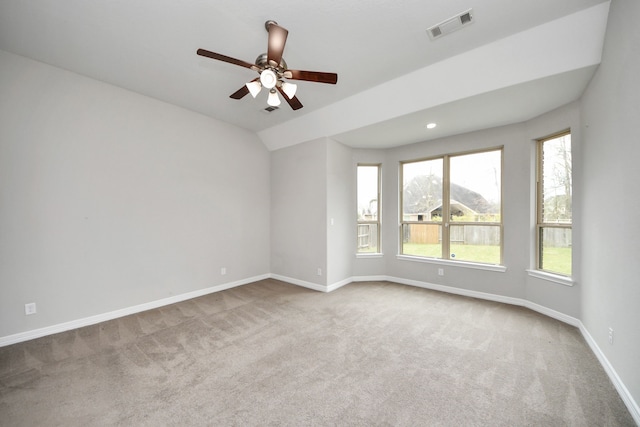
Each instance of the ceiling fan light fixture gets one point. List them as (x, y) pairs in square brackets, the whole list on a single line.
[(254, 88), (289, 89), (274, 99), (268, 78), (273, 71)]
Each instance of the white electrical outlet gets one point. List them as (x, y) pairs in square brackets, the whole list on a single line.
[(319, 272), (223, 271), (441, 272), (30, 308), (611, 336)]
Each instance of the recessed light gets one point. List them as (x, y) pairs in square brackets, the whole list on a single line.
[(431, 125)]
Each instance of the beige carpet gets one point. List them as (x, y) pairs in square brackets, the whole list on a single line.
[(271, 353)]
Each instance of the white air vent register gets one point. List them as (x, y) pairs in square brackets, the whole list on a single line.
[(450, 25)]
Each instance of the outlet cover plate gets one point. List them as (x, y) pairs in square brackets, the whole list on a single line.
[(30, 308)]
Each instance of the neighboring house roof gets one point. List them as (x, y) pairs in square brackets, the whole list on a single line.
[(457, 209)]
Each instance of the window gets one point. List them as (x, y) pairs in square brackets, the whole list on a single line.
[(553, 228), (368, 196), (452, 207)]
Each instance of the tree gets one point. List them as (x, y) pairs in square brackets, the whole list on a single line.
[(557, 179), (424, 193)]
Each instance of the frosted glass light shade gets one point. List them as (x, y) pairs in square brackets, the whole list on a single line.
[(289, 89), (254, 88), (274, 99), (268, 79)]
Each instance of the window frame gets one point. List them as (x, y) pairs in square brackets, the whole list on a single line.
[(378, 221), (540, 224), (445, 256)]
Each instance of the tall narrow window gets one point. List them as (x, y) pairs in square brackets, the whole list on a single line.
[(368, 196), (452, 207), (554, 218), (475, 194), (422, 195)]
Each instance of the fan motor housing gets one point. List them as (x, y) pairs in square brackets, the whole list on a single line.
[(263, 62)]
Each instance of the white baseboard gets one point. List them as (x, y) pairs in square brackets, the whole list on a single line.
[(456, 291), (551, 313), (303, 283), (379, 278), (474, 294), (92, 320), (338, 285), (631, 404), (310, 285), (611, 372)]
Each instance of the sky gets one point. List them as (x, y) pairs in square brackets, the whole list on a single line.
[(479, 172)]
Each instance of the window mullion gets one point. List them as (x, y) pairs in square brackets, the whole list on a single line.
[(539, 205), (446, 210), (539, 183)]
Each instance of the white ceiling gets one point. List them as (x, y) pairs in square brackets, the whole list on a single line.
[(516, 60)]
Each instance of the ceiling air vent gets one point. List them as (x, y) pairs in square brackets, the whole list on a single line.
[(451, 25)]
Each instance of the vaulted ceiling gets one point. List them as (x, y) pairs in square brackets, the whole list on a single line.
[(513, 62)]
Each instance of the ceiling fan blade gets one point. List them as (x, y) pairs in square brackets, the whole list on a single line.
[(294, 102), (277, 40), (228, 59), (312, 76), (240, 92)]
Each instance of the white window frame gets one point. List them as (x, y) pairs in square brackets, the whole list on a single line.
[(445, 258), (367, 223), (538, 271)]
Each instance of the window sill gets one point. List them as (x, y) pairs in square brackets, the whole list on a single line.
[(463, 264), (550, 277), (372, 255)]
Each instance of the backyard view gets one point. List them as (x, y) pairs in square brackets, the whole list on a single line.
[(460, 252), (451, 207), (471, 214), (554, 205), (368, 197), (558, 260)]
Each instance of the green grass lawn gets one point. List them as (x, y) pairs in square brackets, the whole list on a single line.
[(556, 260), (473, 253)]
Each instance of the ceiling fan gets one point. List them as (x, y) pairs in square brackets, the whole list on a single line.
[(273, 71)]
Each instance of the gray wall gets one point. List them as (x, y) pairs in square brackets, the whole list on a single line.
[(509, 283), (549, 294), (312, 184), (518, 210), (610, 251), (109, 199), (299, 211), (341, 208)]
